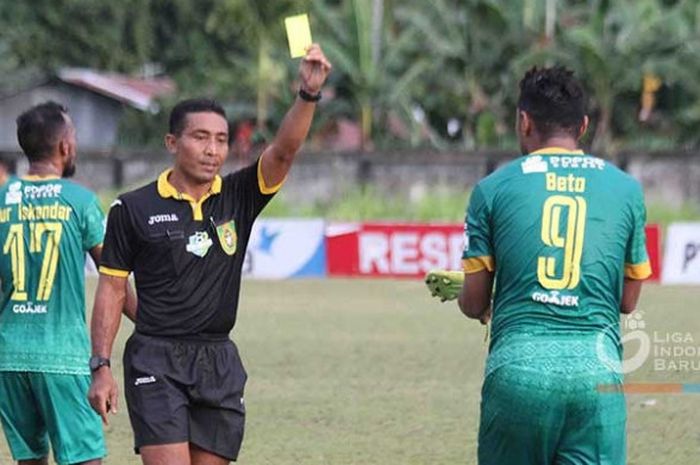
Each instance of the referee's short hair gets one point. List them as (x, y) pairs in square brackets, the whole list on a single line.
[(40, 128), (554, 99), (178, 115)]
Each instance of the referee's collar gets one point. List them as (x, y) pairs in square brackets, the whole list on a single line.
[(556, 151), (167, 190)]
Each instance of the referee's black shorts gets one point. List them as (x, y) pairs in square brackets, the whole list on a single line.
[(185, 391)]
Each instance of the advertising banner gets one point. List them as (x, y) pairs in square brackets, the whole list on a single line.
[(393, 249), (402, 250), (682, 254), (286, 249)]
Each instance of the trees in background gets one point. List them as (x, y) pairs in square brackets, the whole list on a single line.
[(439, 74)]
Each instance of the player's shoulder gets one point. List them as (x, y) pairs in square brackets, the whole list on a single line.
[(501, 176), (73, 189), (620, 180)]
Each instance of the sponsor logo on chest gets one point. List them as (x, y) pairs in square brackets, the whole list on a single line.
[(163, 218)]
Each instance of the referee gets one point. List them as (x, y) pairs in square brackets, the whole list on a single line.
[(184, 237)]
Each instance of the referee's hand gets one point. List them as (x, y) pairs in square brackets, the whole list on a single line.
[(103, 393)]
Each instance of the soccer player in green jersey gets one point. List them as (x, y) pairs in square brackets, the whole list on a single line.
[(561, 235), (47, 224)]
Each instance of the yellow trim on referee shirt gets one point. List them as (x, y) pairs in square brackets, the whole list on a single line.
[(165, 190), (113, 272), (637, 270), (476, 264), (556, 151), (261, 181)]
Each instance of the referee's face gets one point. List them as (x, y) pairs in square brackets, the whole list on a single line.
[(202, 147)]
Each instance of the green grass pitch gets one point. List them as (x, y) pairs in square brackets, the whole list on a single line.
[(375, 372)]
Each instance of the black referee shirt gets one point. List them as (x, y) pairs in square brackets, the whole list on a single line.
[(186, 256)]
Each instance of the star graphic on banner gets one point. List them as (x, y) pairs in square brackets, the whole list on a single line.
[(267, 237)]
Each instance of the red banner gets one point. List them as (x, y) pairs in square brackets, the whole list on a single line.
[(654, 250), (400, 250), (393, 250)]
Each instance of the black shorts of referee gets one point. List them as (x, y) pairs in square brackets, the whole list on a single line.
[(185, 391)]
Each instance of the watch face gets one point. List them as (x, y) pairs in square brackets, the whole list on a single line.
[(97, 362)]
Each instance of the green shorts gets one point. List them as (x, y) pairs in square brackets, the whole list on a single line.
[(36, 408), (536, 414)]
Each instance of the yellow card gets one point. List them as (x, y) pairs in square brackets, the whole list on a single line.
[(298, 34)]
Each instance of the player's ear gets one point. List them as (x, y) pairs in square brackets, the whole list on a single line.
[(170, 142), (584, 127), (64, 147), (525, 124)]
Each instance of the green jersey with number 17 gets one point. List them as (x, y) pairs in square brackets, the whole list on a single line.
[(561, 229), (46, 226)]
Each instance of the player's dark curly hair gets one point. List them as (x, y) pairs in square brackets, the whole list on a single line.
[(178, 115), (40, 128), (554, 99)]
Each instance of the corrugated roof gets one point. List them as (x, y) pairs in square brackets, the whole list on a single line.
[(139, 93)]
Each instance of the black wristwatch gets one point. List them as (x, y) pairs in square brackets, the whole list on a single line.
[(309, 97), (98, 362)]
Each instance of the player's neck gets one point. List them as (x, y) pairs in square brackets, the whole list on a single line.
[(185, 184), (567, 143), (44, 169)]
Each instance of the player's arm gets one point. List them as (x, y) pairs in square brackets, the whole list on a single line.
[(478, 259), (130, 302), (637, 265), (475, 298), (630, 295), (278, 156), (106, 318)]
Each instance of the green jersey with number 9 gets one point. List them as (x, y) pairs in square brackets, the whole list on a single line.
[(561, 229), (46, 226)]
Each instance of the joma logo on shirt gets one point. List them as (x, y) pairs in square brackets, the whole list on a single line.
[(165, 218), (145, 380)]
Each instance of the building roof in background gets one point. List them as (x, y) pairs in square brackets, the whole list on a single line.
[(140, 93)]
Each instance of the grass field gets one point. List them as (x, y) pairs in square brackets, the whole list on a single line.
[(374, 372)]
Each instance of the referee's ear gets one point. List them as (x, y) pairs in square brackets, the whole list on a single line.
[(171, 143)]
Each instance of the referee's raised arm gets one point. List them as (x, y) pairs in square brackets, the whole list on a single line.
[(278, 156)]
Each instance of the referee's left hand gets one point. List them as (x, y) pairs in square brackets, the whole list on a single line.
[(314, 69), (103, 394)]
